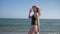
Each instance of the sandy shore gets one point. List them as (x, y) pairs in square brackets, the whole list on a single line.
[(27, 32)]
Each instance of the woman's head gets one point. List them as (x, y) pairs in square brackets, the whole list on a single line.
[(36, 9)]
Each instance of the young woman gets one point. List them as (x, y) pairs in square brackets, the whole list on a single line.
[(34, 20)]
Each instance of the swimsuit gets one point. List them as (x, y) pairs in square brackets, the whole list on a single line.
[(33, 21)]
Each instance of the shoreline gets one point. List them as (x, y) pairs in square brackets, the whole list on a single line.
[(27, 32)]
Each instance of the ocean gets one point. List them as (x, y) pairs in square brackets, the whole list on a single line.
[(22, 26)]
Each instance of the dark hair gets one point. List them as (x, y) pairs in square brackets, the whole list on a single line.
[(38, 10)]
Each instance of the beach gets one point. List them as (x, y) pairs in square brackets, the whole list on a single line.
[(27, 33)]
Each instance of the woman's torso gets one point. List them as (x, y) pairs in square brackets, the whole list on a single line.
[(33, 20)]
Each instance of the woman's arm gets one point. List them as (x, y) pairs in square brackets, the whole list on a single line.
[(37, 18), (30, 13)]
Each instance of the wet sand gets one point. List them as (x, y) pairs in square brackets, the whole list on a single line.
[(27, 32)]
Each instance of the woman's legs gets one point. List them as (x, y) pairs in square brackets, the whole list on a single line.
[(34, 29), (31, 30), (36, 32)]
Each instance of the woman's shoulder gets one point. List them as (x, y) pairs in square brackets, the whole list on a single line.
[(37, 14)]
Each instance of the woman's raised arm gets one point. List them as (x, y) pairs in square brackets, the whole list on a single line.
[(30, 13)]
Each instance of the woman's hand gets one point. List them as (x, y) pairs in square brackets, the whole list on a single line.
[(38, 29)]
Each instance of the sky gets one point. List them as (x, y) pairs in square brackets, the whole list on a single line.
[(50, 9)]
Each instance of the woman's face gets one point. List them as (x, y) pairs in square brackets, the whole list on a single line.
[(34, 9)]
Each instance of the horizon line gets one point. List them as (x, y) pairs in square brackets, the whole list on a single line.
[(27, 18)]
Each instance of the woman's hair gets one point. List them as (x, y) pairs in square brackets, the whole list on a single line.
[(38, 10)]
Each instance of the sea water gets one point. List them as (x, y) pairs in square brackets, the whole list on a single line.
[(22, 26)]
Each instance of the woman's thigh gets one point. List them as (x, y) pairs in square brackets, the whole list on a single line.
[(36, 30), (33, 29)]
